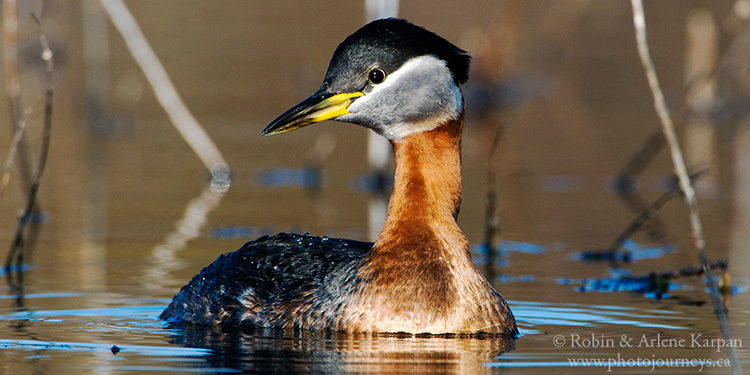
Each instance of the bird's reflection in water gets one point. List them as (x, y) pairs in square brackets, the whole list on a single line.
[(267, 351)]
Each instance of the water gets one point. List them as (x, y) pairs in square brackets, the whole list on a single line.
[(576, 109)]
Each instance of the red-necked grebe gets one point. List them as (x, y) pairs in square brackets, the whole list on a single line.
[(401, 81)]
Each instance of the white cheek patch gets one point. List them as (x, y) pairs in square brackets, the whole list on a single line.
[(399, 130), (417, 97)]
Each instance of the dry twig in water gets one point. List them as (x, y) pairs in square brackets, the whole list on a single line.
[(639, 21), (16, 253)]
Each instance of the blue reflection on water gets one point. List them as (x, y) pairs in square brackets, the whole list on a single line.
[(43, 295), (631, 251), (132, 312), (531, 314), (622, 280), (575, 183), (503, 248), (505, 278), (276, 177), (521, 247), (14, 268), (165, 351)]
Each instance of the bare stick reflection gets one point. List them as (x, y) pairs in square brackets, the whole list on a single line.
[(163, 258)]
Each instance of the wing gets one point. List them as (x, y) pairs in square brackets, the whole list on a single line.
[(263, 281)]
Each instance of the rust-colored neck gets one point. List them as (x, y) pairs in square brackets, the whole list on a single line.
[(419, 276), (426, 195)]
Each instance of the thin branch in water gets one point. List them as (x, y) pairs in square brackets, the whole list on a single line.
[(49, 91), (654, 228), (720, 265), (18, 246), (639, 21)]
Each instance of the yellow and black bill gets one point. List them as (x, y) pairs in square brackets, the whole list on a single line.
[(319, 107)]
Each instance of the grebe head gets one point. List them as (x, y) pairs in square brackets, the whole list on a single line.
[(390, 76)]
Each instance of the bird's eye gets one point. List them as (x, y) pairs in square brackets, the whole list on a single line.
[(376, 76)]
